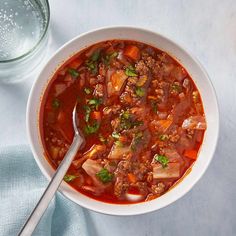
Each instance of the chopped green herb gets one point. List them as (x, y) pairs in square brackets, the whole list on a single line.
[(87, 113), (107, 58), (55, 103), (140, 91), (163, 137), (74, 73), (87, 90), (163, 160), (113, 55), (92, 63), (95, 102), (130, 71), (69, 178), (104, 175), (91, 129), (95, 55), (115, 135), (126, 121), (102, 139), (92, 66)]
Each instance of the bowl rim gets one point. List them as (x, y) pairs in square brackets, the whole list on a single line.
[(118, 212)]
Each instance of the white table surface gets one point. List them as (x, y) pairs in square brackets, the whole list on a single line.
[(207, 28)]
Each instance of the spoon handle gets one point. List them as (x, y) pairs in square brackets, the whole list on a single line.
[(52, 187)]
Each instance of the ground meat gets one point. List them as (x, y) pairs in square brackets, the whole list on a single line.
[(102, 70), (129, 97), (123, 167), (120, 187), (174, 138), (115, 109), (149, 177), (150, 62), (100, 79), (158, 189), (142, 186), (98, 91), (141, 68), (125, 98)]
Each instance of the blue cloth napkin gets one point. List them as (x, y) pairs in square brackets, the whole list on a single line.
[(21, 185)]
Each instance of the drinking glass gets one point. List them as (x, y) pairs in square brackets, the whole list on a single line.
[(23, 37)]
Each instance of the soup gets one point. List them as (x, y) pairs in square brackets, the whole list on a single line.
[(141, 115)]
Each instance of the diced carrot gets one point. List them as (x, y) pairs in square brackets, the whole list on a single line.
[(164, 124), (131, 178), (132, 52), (75, 63), (61, 118), (96, 115), (192, 154)]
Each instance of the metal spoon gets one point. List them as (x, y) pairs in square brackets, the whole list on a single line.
[(55, 182)]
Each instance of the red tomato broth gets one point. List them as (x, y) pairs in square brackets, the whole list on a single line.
[(165, 100)]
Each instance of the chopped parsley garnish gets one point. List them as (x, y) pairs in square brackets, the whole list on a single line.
[(113, 55), (140, 91), (163, 137), (163, 160), (104, 175), (55, 103), (115, 135), (95, 55), (107, 58), (130, 71), (92, 63), (74, 73), (87, 90), (91, 129), (95, 102), (87, 112), (69, 178), (92, 66), (126, 121)]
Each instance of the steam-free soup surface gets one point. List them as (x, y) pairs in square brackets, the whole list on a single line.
[(141, 115)]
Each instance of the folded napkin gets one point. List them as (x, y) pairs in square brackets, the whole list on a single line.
[(21, 185)]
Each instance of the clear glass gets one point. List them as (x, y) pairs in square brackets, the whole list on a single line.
[(23, 36)]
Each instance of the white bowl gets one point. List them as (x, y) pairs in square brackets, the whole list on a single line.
[(193, 67)]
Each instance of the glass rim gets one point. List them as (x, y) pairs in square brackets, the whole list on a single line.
[(37, 44)]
